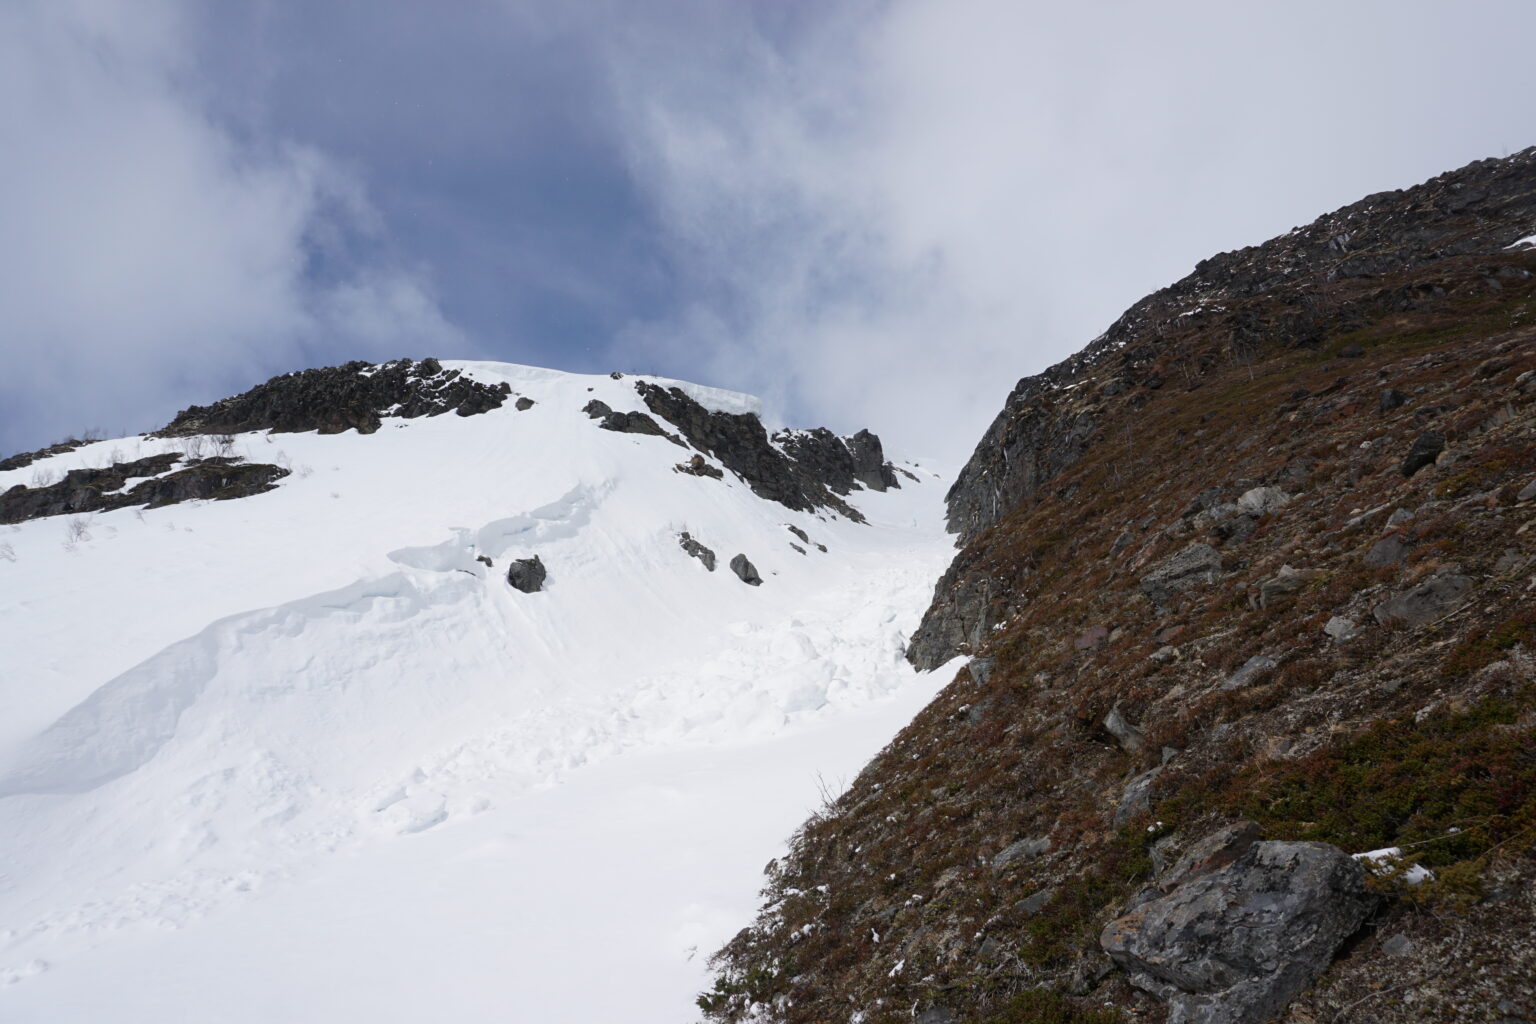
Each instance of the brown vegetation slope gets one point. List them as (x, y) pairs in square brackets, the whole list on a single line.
[(1334, 436)]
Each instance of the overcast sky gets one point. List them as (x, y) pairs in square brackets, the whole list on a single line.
[(870, 213)]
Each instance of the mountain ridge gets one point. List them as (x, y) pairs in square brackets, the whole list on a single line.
[(1246, 583)]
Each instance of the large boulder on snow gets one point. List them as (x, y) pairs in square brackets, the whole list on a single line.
[(746, 571), (527, 574)]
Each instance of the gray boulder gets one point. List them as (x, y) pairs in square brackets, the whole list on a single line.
[(1236, 941), (746, 571), (1024, 849), (1125, 732), (524, 404), (597, 409), (1263, 500), (1249, 671), (1426, 449), (1341, 628), (1433, 599), (1286, 583), (1197, 565), (1136, 800), (1390, 550), (527, 574)]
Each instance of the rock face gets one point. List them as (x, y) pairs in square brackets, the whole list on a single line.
[(1130, 464), (356, 396), (746, 571), (527, 574), (635, 423), (100, 490), (841, 464), (1285, 293), (740, 443), (1234, 943)]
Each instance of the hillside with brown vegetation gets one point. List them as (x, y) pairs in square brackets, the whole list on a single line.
[(1262, 553)]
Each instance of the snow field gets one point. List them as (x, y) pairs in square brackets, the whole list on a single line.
[(246, 728)]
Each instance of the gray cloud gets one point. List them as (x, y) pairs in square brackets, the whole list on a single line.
[(892, 214), (150, 258)]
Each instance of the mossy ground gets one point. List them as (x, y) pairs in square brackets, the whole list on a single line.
[(1422, 738)]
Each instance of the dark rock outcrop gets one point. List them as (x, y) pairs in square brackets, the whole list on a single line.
[(100, 490), (1426, 448), (697, 550), (740, 443), (596, 409), (21, 460), (523, 404), (1234, 943), (840, 463), (332, 399), (746, 571), (698, 466), (527, 574), (637, 423)]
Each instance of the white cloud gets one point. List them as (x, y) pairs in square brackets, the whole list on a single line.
[(891, 214), (151, 258)]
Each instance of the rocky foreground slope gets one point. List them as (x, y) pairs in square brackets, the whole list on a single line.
[(1248, 587)]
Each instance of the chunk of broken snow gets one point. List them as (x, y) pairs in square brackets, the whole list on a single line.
[(1382, 860), (1524, 243)]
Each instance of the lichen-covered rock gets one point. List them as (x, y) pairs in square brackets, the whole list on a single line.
[(1233, 945), (332, 399), (1197, 565), (1436, 597)]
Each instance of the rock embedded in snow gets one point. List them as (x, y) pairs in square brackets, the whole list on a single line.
[(697, 550), (527, 574), (597, 408), (746, 571), (524, 403)]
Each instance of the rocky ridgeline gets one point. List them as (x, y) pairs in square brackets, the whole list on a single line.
[(102, 490), (354, 396), (1417, 253), (802, 470), (1341, 272), (1245, 592)]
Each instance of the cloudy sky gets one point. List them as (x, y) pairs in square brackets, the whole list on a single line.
[(872, 212)]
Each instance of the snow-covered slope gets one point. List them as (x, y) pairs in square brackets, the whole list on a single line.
[(304, 756)]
